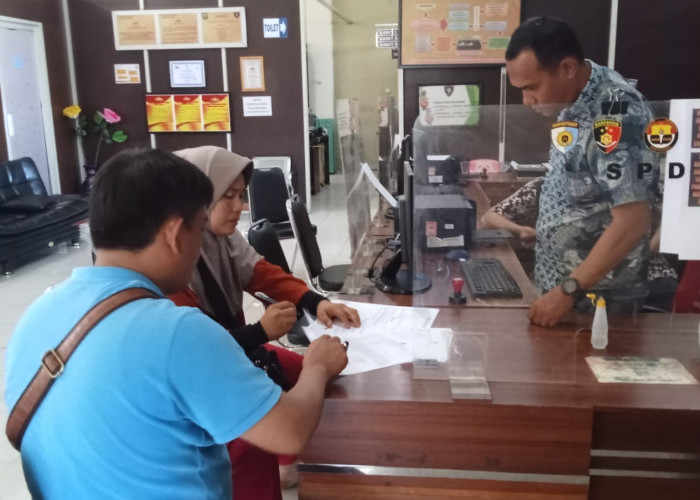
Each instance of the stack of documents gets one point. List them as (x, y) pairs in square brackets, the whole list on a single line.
[(384, 339)]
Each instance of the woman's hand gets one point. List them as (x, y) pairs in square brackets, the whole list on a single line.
[(278, 319), (327, 311)]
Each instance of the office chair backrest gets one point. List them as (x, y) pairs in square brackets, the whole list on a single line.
[(304, 233), (267, 194), (262, 237), (283, 162)]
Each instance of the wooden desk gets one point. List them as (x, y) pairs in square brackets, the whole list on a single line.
[(550, 431)]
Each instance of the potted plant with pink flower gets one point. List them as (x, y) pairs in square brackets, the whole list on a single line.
[(100, 127)]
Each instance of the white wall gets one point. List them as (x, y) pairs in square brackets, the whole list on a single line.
[(319, 49)]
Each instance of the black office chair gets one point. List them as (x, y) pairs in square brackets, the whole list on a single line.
[(262, 237), (267, 194), (323, 279)]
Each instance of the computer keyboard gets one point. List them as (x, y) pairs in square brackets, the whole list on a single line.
[(488, 278)]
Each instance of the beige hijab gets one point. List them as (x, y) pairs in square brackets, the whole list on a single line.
[(230, 258)]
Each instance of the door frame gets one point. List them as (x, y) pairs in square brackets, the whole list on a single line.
[(37, 31)]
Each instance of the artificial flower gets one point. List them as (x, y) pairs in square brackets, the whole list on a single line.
[(100, 127), (72, 111), (110, 116)]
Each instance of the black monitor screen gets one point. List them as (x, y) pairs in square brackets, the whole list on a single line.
[(404, 281)]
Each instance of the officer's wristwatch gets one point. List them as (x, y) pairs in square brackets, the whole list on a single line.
[(571, 286)]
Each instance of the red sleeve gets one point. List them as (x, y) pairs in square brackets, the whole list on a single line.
[(276, 283), (185, 297)]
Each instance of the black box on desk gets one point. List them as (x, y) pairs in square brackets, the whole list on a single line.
[(437, 169), (443, 221)]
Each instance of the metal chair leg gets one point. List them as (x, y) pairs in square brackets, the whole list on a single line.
[(294, 255)]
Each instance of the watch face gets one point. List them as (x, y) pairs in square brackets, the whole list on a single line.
[(570, 286)]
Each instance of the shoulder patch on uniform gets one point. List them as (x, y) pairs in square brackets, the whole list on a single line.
[(564, 135), (660, 135), (607, 134)]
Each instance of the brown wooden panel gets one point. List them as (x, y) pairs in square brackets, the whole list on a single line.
[(465, 436), (590, 20), (339, 487), (173, 141), (537, 366), (93, 47), (617, 488), (673, 431), (281, 134), (657, 44)]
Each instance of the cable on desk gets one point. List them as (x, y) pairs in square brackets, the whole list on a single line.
[(370, 272)]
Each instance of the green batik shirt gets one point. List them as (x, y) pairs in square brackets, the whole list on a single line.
[(595, 167)]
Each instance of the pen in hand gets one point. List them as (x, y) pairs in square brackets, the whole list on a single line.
[(265, 297)]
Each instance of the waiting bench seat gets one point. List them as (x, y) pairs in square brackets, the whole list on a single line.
[(31, 221)]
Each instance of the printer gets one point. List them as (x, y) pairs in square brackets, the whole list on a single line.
[(443, 221), (439, 169)]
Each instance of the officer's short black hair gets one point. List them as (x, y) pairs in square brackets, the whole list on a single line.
[(551, 40)]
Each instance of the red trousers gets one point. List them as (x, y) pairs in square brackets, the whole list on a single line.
[(255, 472)]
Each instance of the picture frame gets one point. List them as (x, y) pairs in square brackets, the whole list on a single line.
[(444, 33), (187, 74), (252, 74), (165, 29), (190, 112), (449, 104)]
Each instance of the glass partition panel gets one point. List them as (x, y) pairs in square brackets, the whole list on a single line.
[(462, 257)]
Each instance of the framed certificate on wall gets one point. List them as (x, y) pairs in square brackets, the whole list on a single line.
[(184, 74), (160, 29), (252, 74)]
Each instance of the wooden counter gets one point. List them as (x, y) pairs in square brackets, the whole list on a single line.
[(550, 431)]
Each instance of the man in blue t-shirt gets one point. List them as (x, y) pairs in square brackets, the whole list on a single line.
[(594, 216), (148, 400)]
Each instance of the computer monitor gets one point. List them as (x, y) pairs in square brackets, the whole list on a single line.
[(405, 154), (392, 278)]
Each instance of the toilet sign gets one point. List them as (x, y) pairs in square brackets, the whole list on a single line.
[(275, 27)]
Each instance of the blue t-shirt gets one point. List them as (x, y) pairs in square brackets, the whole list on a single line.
[(146, 403)]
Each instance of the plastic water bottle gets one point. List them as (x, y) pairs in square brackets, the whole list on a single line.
[(599, 330)]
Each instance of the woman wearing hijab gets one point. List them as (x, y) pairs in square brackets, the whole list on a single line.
[(227, 267)]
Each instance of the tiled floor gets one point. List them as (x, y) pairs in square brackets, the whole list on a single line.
[(18, 291)]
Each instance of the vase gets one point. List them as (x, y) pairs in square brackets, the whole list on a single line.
[(86, 186)]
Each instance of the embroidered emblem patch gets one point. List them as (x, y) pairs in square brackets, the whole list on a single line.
[(564, 135), (660, 135), (607, 134)]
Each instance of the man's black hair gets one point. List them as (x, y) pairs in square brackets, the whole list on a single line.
[(551, 40), (137, 190)]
